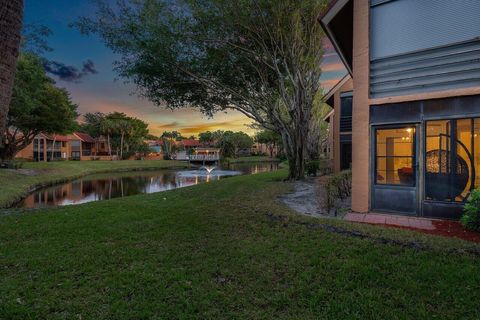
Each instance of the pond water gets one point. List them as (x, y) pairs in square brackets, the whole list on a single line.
[(116, 185)]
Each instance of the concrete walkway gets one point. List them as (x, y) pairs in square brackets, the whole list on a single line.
[(391, 220)]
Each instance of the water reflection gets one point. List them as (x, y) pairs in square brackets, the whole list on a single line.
[(109, 186)]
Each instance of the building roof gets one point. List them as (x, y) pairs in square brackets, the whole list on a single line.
[(58, 137), (337, 21), (162, 142), (328, 98), (191, 143), (84, 137), (327, 117)]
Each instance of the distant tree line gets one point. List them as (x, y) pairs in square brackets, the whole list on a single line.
[(125, 135), (230, 143), (269, 138)]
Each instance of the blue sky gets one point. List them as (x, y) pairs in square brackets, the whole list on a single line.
[(102, 92)]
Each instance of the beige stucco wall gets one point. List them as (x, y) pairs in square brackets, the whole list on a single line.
[(361, 105), (26, 153)]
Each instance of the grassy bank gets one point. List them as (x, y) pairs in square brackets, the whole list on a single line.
[(16, 183), (226, 250), (250, 159)]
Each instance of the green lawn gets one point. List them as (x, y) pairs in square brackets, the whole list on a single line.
[(226, 250), (14, 184)]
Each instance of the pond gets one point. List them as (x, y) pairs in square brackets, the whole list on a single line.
[(116, 185)]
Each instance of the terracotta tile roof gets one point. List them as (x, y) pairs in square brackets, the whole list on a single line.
[(84, 137), (58, 137), (191, 143)]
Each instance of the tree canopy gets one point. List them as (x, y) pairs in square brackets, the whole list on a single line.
[(124, 134), (11, 17), (260, 57), (37, 106)]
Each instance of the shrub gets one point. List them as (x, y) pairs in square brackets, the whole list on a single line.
[(471, 215), (14, 164), (337, 187), (312, 167), (325, 167)]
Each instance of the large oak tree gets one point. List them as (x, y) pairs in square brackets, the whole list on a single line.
[(260, 57)]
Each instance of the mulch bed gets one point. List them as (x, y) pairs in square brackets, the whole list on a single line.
[(445, 228), (454, 229)]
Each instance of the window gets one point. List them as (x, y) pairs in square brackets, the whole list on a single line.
[(346, 101), (75, 145), (395, 156), (38, 144), (451, 159)]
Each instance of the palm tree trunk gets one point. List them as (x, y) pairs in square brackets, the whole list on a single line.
[(53, 148), (109, 145), (11, 17), (121, 147)]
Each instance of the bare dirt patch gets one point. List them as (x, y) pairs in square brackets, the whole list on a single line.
[(308, 197)]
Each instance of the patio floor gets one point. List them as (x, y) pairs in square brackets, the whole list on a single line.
[(444, 228)]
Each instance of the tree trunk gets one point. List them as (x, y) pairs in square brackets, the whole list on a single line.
[(53, 149), (109, 145), (296, 161), (11, 17), (121, 147), (8, 153), (295, 145), (12, 147)]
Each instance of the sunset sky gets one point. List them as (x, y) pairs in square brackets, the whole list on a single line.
[(83, 65)]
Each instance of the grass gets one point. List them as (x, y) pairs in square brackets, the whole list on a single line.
[(226, 250), (251, 159), (15, 184)]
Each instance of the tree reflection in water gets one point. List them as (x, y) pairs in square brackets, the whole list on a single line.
[(105, 187)]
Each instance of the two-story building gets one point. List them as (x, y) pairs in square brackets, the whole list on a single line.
[(415, 102), (75, 146), (46, 147)]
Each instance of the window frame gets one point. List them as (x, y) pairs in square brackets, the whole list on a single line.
[(349, 119), (475, 183), (413, 157)]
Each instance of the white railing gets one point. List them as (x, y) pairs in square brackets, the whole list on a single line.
[(206, 157)]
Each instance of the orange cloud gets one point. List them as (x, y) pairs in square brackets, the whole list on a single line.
[(333, 66), (235, 124), (329, 84)]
